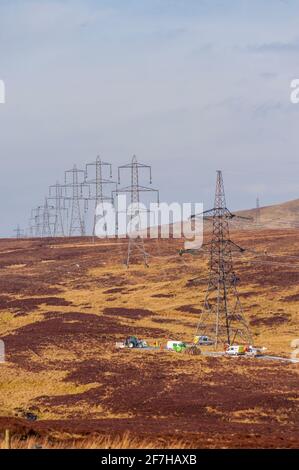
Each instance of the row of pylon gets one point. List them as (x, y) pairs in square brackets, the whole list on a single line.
[(65, 209)]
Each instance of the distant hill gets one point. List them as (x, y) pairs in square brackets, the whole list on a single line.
[(281, 215)]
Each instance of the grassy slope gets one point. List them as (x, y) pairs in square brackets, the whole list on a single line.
[(64, 304)]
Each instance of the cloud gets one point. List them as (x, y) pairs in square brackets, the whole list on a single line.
[(276, 47), (169, 80)]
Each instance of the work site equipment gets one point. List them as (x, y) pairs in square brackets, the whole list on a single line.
[(192, 351), (177, 346), (131, 342)]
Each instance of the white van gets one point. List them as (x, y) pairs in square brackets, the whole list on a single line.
[(235, 350), (173, 344)]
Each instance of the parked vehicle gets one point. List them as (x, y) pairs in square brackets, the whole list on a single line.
[(177, 346), (203, 341), (253, 351), (237, 350), (131, 342)]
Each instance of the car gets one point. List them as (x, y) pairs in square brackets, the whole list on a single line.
[(254, 352)]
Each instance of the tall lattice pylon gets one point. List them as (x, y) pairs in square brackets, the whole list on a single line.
[(46, 218), (76, 187), (98, 182), (222, 319), (56, 194), (136, 241)]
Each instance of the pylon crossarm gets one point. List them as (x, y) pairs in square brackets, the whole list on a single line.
[(103, 181), (194, 251), (210, 214), (129, 189), (235, 246), (242, 217)]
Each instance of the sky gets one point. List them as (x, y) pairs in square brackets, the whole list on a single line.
[(189, 86)]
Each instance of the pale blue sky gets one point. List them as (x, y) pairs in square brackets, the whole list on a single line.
[(190, 86)]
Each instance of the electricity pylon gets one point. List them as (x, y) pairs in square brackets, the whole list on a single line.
[(56, 194), (32, 224), (136, 240), (222, 319), (46, 230), (98, 182), (19, 232), (258, 212), (36, 217), (77, 224)]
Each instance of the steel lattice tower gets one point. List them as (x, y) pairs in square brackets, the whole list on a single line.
[(222, 318), (258, 211), (31, 227), (32, 224), (77, 224), (98, 182), (37, 215), (56, 194), (134, 190), (19, 232), (46, 218)]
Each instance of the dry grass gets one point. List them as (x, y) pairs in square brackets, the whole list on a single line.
[(125, 441), (43, 371)]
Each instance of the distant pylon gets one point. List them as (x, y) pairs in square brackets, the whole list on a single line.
[(46, 230), (32, 224), (136, 240), (56, 195), (19, 232), (98, 182), (77, 224), (31, 227), (258, 212), (222, 319), (36, 217)]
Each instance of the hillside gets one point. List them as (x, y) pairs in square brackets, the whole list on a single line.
[(276, 216), (64, 303)]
